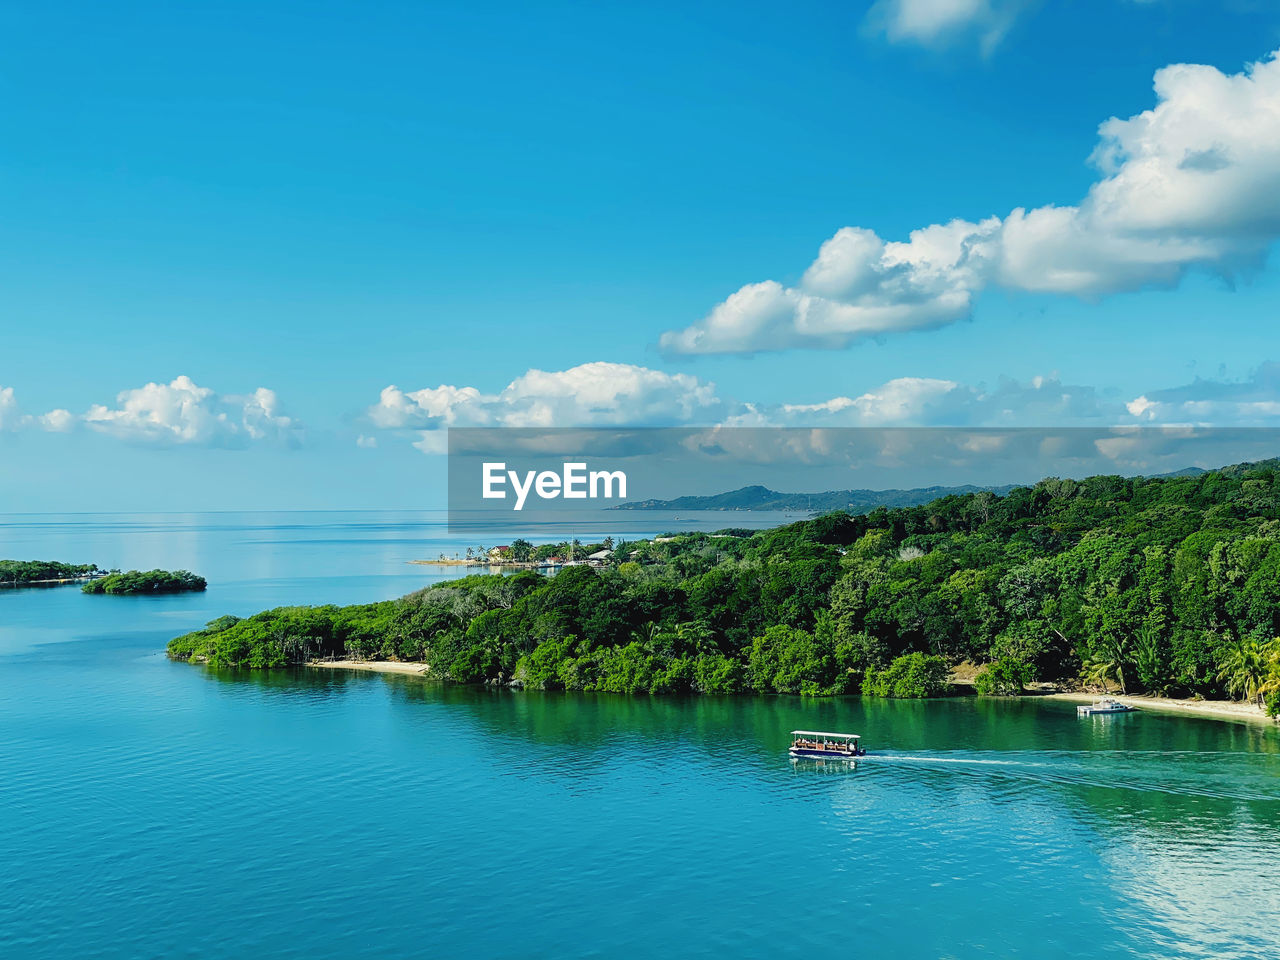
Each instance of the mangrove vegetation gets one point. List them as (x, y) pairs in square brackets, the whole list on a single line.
[(146, 582), (1165, 585), (21, 573)]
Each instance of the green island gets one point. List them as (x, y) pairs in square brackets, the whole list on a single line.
[(1165, 585), (135, 582), (27, 573)]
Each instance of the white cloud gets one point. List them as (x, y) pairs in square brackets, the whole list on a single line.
[(57, 421), (934, 23), (182, 412), (365, 442), (263, 418), (10, 418), (1251, 402), (923, 401), (1192, 183), (937, 23), (1039, 402), (592, 394), (620, 395), (426, 407), (903, 400)]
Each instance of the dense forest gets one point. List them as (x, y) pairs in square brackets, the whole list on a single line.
[(146, 581), (1167, 585), (16, 573)]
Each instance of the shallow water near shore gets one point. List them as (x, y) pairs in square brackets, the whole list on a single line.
[(162, 809)]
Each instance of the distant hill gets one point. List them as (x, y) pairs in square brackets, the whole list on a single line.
[(853, 501), (757, 497)]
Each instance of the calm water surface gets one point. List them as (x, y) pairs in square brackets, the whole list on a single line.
[(153, 809)]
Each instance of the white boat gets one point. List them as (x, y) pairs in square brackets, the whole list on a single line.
[(1103, 705), (817, 745)]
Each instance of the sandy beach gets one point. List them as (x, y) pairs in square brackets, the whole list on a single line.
[(374, 666), (1222, 709)]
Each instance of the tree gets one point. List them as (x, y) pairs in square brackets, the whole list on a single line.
[(1148, 581), (696, 637), (1107, 661), (521, 550), (911, 676), (1149, 660), (1004, 678), (1247, 669)]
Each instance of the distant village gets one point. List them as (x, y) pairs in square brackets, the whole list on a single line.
[(521, 554)]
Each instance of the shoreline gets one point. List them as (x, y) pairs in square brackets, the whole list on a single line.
[(1213, 709), (455, 562), (373, 666), (1216, 709)]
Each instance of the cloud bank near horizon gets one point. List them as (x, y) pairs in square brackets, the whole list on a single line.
[(1191, 184), (182, 413), (177, 413), (618, 394)]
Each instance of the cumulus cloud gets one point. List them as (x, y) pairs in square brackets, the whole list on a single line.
[(57, 421), (12, 418), (592, 394), (619, 395), (1193, 183), (181, 412)]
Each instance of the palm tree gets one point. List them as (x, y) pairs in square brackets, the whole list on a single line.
[(645, 635), (1107, 661), (1271, 685), (1248, 669), (697, 637), (1149, 659)]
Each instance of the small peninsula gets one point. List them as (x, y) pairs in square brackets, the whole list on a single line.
[(145, 582), (44, 573), (1167, 586)]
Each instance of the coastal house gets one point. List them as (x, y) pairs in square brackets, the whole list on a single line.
[(500, 554), (600, 556)]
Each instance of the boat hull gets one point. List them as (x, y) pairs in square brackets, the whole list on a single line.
[(824, 754), (1092, 712)]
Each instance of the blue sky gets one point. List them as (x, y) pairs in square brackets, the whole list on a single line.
[(323, 200)]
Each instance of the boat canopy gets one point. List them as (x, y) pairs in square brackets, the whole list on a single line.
[(831, 736)]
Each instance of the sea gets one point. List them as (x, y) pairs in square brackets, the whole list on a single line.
[(158, 809)]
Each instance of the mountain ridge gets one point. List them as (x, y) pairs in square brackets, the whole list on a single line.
[(759, 497)]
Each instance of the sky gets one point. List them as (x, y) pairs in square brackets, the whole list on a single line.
[(261, 256)]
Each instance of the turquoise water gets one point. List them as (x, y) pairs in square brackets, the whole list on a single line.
[(153, 809)]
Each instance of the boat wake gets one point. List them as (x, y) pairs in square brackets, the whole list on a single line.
[(1114, 770), (920, 758)]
